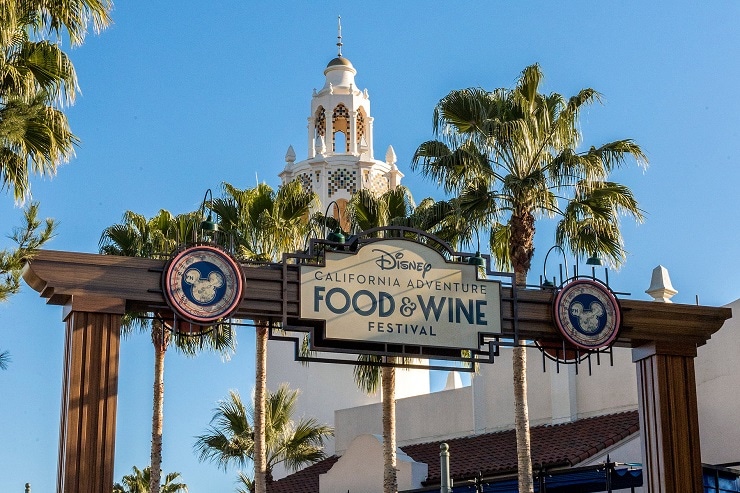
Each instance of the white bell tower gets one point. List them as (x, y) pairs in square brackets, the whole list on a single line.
[(340, 158), (340, 162)]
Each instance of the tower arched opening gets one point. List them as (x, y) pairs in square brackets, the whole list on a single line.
[(319, 122), (340, 125), (361, 118)]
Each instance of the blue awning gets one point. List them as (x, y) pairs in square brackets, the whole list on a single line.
[(592, 480)]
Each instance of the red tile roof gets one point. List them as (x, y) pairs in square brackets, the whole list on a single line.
[(565, 444), (304, 481)]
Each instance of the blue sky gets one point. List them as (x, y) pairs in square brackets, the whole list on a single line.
[(177, 98)]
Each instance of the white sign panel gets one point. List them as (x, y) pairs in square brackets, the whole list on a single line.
[(400, 292)]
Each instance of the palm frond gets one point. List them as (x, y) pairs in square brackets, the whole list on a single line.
[(590, 222), (36, 139), (247, 482), (72, 17), (500, 238), (367, 376), (451, 168), (28, 239), (230, 438), (4, 360), (516, 150), (138, 482)]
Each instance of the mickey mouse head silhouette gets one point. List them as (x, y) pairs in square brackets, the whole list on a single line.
[(204, 290), (588, 320)]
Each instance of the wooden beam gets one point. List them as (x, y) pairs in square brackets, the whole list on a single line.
[(59, 276), (642, 321)]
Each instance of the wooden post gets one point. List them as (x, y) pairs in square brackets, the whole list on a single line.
[(669, 421), (89, 397)]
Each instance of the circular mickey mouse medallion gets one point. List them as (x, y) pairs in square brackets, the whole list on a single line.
[(203, 284), (587, 314)]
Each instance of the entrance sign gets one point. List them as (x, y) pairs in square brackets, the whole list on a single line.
[(587, 314), (202, 284), (97, 289), (399, 291)]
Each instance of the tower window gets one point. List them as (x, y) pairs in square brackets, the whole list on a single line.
[(340, 124), (340, 141), (320, 124), (360, 124)]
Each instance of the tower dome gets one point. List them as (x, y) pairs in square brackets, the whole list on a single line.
[(339, 61), (340, 74)]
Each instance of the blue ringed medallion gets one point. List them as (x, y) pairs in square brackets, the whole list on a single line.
[(587, 314), (203, 284)]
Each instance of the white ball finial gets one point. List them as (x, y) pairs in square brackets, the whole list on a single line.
[(363, 145), (661, 288), (290, 155), (390, 155), (320, 144)]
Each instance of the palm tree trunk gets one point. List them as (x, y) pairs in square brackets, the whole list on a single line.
[(260, 388), (521, 421), (521, 250), (521, 244), (388, 381), (159, 340)]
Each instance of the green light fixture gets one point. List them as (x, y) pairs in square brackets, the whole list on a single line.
[(594, 260), (336, 236), (477, 260), (208, 226), (547, 284)]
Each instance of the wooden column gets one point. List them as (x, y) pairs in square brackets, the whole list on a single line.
[(89, 396), (669, 420)]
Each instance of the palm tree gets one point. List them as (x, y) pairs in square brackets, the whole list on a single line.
[(231, 437), (261, 224), (138, 482), (48, 18), (137, 236), (370, 211), (28, 239), (36, 80), (393, 208), (511, 156)]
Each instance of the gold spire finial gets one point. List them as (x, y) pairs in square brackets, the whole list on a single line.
[(339, 37)]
